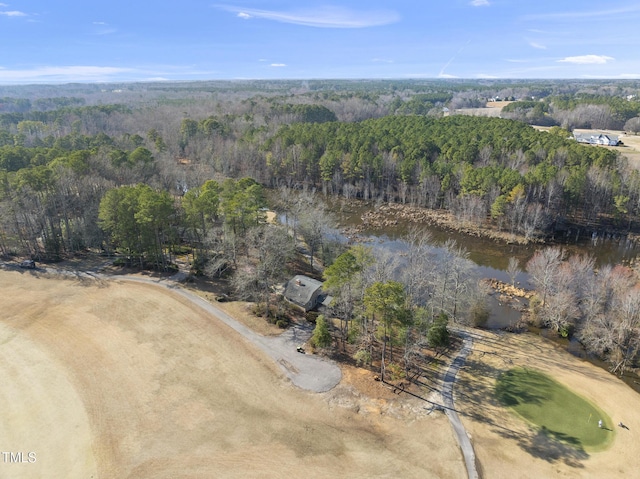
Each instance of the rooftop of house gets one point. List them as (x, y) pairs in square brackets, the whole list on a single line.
[(594, 134), (300, 289)]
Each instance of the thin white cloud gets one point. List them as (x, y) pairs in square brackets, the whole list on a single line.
[(484, 76), (479, 3), (515, 60), (278, 65), (103, 28), (446, 75), (324, 17), (60, 74), (582, 14), (13, 13), (381, 60), (106, 31), (587, 59), (537, 45)]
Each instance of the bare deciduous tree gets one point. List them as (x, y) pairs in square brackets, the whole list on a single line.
[(616, 334), (513, 269), (269, 250), (543, 268), (314, 224)]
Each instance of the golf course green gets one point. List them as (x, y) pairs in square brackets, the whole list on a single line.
[(557, 411)]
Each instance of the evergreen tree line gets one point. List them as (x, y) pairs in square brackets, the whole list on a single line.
[(481, 169), (391, 308)]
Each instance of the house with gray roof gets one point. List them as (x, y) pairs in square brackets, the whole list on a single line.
[(595, 138), (305, 292)]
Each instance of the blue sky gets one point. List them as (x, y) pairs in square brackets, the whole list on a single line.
[(47, 41)]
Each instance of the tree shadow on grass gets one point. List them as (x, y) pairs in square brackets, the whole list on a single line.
[(513, 388), (477, 391), (550, 446)]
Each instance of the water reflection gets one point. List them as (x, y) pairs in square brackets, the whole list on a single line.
[(492, 258), (607, 249)]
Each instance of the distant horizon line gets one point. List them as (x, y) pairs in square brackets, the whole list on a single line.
[(318, 79)]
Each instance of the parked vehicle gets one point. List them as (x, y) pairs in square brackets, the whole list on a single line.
[(28, 263)]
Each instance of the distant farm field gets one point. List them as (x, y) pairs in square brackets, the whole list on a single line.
[(492, 109)]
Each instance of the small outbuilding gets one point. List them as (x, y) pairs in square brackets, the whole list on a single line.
[(305, 292)]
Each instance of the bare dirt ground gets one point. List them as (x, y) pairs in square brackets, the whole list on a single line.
[(506, 447), (110, 379)]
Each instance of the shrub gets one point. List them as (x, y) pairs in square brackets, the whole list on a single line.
[(479, 314), (321, 336), (311, 316), (395, 371), (438, 334), (362, 356), (535, 306)]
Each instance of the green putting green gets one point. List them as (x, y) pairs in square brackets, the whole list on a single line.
[(556, 410)]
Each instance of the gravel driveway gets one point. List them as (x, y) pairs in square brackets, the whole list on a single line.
[(306, 371)]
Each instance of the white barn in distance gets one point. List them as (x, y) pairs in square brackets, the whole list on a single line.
[(596, 138)]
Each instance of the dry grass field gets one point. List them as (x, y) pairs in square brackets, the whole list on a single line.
[(113, 379), (492, 109), (507, 448)]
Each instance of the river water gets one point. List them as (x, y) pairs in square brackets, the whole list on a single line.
[(491, 256), (491, 259)]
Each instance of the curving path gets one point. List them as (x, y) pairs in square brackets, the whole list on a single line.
[(447, 396), (309, 372)]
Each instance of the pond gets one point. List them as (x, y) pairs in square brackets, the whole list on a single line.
[(485, 252), (491, 259)]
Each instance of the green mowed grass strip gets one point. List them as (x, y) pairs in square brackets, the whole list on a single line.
[(555, 409)]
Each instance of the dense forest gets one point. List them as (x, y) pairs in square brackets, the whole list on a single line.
[(62, 148), (472, 166), (152, 171)]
